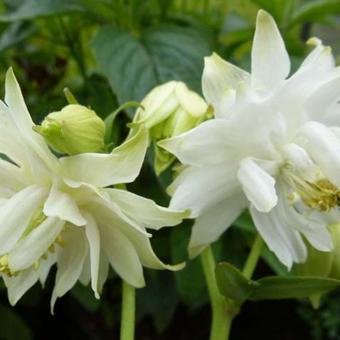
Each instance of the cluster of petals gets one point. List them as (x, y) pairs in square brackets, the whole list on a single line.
[(65, 211), (273, 146)]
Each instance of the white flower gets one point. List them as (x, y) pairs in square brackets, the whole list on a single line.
[(62, 211), (268, 145)]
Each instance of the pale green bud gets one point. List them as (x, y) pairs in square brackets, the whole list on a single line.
[(73, 130), (322, 264), (167, 111)]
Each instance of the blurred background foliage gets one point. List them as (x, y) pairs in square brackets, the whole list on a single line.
[(108, 52)]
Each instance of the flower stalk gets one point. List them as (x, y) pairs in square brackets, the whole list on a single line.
[(127, 326), (253, 257), (221, 311)]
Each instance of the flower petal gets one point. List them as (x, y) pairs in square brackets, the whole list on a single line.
[(93, 238), (209, 143), (270, 62), (146, 211), (15, 215), (60, 204), (258, 185), (210, 226), (23, 121), (70, 262), (122, 255), (324, 147), (282, 239), (219, 77), (29, 249), (18, 285), (199, 188), (122, 165)]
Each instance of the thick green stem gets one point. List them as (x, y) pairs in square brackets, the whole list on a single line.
[(221, 310), (253, 257), (127, 326)]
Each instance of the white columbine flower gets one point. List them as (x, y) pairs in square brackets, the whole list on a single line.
[(268, 146), (62, 210)]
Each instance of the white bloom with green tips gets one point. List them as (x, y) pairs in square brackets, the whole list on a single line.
[(167, 111), (268, 148), (61, 211)]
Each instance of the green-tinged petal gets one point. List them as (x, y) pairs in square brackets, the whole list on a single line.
[(18, 285), (15, 215), (122, 255), (211, 225), (145, 252), (29, 249), (93, 238), (146, 211), (62, 205), (219, 77), (270, 62), (70, 262), (122, 165), (258, 185)]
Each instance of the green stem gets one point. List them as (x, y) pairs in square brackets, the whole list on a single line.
[(221, 311), (253, 257), (127, 326)]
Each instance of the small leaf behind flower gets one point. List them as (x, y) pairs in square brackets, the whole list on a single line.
[(232, 284), (293, 287)]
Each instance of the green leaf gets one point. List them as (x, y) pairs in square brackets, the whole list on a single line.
[(293, 287), (232, 284), (84, 295), (134, 65), (31, 9), (14, 34), (314, 11), (12, 326)]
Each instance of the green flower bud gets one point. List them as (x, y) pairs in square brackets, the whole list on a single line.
[(167, 111), (322, 264), (73, 130)]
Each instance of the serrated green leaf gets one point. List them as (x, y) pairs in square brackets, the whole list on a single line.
[(232, 284), (134, 65), (292, 287)]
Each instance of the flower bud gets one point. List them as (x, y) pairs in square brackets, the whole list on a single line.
[(73, 130), (167, 111), (322, 264)]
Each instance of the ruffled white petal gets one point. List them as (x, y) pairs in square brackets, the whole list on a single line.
[(199, 188), (62, 205), (145, 211), (122, 255), (258, 185), (122, 165), (270, 62), (15, 215), (209, 143), (93, 238), (219, 77), (209, 226), (324, 147), (71, 259), (18, 285), (282, 239), (30, 248)]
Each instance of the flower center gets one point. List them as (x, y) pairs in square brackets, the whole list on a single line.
[(320, 194)]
